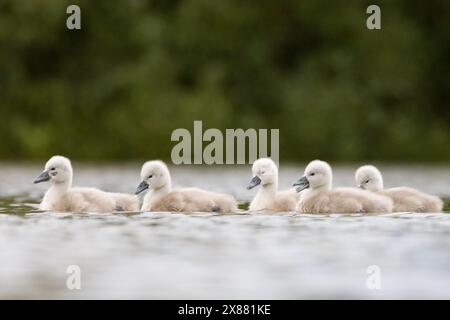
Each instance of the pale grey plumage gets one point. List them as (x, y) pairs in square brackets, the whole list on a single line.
[(268, 198), (405, 199), (319, 197), (61, 197), (156, 176)]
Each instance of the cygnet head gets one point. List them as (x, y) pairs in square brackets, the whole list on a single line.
[(317, 174), (264, 172), (57, 170), (369, 178), (154, 175)]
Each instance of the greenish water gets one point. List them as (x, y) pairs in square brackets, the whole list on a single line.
[(210, 256)]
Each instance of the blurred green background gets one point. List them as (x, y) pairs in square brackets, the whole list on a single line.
[(139, 69)]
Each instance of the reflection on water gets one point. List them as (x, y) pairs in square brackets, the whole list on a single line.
[(159, 255)]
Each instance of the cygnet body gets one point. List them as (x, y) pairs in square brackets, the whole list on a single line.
[(405, 199), (156, 176), (268, 198), (61, 197), (317, 196), (126, 202)]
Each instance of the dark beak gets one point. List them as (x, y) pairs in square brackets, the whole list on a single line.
[(142, 187), (254, 182), (44, 176), (301, 184)]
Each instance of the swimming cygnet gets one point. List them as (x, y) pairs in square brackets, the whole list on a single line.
[(62, 197), (318, 197), (405, 199), (268, 198), (156, 177)]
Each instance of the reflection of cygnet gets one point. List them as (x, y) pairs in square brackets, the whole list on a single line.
[(63, 198), (318, 197), (156, 177), (268, 198), (405, 199)]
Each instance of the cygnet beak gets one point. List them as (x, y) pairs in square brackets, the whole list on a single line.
[(301, 184), (44, 176), (142, 187), (254, 182)]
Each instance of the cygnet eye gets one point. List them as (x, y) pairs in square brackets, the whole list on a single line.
[(263, 172), (150, 176), (312, 173), (53, 169), (367, 181)]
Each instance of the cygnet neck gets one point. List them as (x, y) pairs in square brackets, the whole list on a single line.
[(324, 187), (61, 187), (269, 190), (164, 189), (379, 186)]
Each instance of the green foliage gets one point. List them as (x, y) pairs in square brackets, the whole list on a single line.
[(140, 69)]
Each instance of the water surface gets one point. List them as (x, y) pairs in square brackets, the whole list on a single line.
[(209, 256)]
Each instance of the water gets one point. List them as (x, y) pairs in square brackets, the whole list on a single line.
[(208, 256)]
